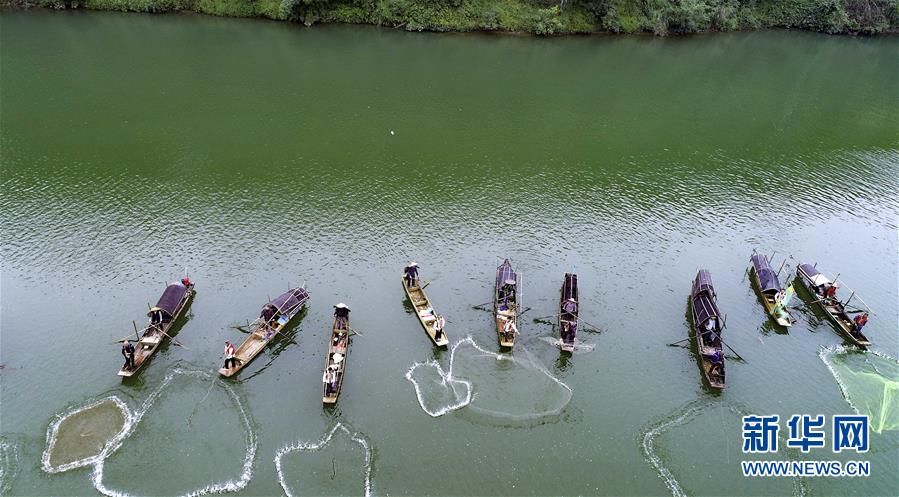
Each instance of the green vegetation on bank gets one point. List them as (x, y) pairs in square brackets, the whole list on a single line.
[(542, 17)]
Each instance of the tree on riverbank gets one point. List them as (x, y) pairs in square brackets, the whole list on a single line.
[(542, 17)]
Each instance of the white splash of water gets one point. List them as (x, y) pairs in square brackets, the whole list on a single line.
[(9, 464), (320, 444), (448, 378), (653, 459), (579, 346), (132, 419), (446, 381), (53, 434)]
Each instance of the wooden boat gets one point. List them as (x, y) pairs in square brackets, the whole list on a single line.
[(425, 313), (506, 307), (287, 305), (162, 318), (707, 328), (839, 312), (568, 320), (335, 361), (772, 293)]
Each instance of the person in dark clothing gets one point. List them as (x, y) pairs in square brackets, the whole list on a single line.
[(342, 313), (156, 316), (717, 366), (411, 272), (569, 308), (507, 292), (268, 313), (128, 352)]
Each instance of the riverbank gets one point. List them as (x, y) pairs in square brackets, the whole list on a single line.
[(659, 17)]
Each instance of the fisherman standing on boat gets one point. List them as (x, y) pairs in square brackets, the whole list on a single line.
[(509, 329), (569, 307), (230, 355), (342, 313), (859, 322), (155, 316), (128, 352), (439, 323), (411, 272)]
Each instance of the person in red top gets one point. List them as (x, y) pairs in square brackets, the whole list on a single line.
[(185, 281), (229, 355), (860, 321)]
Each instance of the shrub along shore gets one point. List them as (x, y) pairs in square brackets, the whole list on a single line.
[(541, 17)]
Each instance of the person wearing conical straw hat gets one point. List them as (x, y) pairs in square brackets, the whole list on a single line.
[(342, 313), (411, 272)]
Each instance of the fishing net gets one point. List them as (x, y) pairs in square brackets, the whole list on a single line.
[(204, 409), (77, 438), (337, 464), (508, 386), (869, 382), (9, 458)]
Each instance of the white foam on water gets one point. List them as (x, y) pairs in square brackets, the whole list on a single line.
[(132, 419), (320, 444), (579, 346), (53, 435), (454, 382), (446, 381), (9, 464)]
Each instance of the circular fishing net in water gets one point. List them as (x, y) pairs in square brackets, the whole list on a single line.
[(869, 382)]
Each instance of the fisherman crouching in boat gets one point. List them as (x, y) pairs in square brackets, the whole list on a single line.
[(342, 313), (411, 274)]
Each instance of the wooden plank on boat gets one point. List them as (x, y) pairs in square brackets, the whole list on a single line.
[(170, 306), (335, 361), (287, 306), (425, 313)]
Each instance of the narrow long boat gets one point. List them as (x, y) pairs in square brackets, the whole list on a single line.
[(425, 313), (772, 293), (839, 312), (335, 361), (568, 297), (506, 304), (287, 305), (162, 316), (707, 327)]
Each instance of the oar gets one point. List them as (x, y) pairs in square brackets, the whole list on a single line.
[(589, 324), (524, 311), (422, 287), (176, 342), (735, 352), (354, 330), (481, 305), (674, 344), (544, 317)]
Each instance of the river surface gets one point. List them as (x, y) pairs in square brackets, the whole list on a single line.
[(258, 155)]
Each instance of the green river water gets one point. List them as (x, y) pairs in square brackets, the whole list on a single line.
[(258, 155)]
